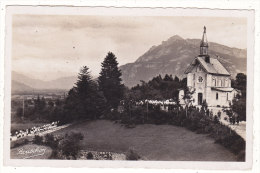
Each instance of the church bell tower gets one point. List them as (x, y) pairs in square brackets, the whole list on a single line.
[(204, 44)]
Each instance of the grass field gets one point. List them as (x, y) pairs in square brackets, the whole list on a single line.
[(152, 142)]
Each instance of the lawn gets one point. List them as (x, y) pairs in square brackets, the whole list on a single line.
[(151, 142)]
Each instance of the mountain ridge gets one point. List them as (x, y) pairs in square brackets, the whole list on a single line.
[(169, 57), (174, 55), (64, 83)]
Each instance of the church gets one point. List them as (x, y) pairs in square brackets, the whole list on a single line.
[(209, 79)]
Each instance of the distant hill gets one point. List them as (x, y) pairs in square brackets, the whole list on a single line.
[(174, 55), (20, 82), (20, 87)]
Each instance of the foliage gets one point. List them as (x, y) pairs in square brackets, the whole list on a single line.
[(239, 106), (90, 156), (132, 155), (198, 120), (51, 141), (19, 142), (38, 140), (83, 101), (110, 81), (239, 102), (70, 146), (240, 83), (158, 88), (19, 112)]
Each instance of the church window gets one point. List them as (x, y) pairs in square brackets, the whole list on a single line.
[(200, 79), (193, 76), (226, 83), (214, 81), (219, 82), (222, 83), (199, 68), (227, 96), (216, 96)]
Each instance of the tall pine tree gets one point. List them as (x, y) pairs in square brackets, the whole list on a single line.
[(110, 81), (83, 101)]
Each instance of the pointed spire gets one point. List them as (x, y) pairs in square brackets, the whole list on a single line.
[(204, 43)]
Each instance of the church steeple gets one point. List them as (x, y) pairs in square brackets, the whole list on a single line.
[(204, 44)]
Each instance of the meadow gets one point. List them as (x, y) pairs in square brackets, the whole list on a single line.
[(151, 142)]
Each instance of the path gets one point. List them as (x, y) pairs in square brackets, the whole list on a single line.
[(240, 128), (14, 138)]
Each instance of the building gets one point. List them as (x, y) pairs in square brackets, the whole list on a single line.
[(209, 79)]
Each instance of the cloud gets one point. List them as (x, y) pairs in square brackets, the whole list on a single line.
[(60, 45)]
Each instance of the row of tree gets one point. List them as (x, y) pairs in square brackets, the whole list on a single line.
[(157, 88), (90, 99)]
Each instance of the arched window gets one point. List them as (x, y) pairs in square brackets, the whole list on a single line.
[(216, 96)]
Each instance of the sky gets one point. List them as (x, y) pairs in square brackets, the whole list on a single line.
[(49, 47)]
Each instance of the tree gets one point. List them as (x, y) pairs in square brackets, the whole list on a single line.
[(168, 78), (84, 100), (241, 80), (19, 112), (110, 81), (187, 97)]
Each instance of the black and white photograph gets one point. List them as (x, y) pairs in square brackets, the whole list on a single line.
[(118, 84)]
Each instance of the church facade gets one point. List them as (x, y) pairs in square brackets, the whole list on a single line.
[(209, 79)]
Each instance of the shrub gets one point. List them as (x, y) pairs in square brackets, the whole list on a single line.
[(18, 143), (90, 156), (50, 141), (70, 145), (132, 155), (200, 121), (38, 140)]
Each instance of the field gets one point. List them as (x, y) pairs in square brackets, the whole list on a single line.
[(151, 142)]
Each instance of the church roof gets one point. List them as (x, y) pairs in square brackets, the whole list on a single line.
[(213, 67)]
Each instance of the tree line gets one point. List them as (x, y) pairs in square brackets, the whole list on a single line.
[(95, 98)]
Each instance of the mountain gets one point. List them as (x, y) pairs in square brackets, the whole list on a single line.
[(173, 57), (20, 87), (64, 83)]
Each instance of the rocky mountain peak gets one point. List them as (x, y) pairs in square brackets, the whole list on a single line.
[(174, 55)]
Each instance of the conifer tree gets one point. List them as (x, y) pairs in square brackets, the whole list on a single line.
[(110, 81), (83, 101)]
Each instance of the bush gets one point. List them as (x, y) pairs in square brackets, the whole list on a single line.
[(197, 120), (51, 142), (19, 142), (70, 146), (38, 140), (90, 156), (132, 155)]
